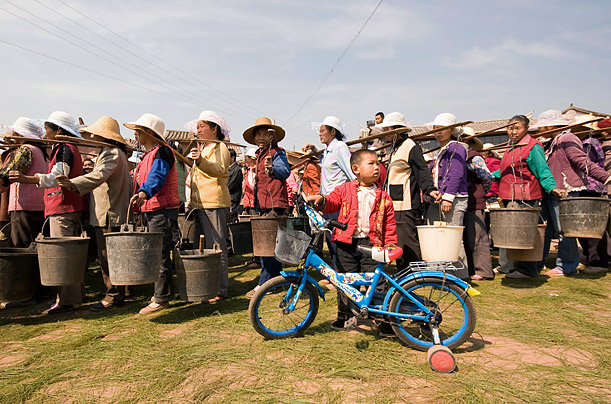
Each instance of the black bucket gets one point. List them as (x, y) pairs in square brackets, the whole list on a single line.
[(241, 237), (198, 274), (19, 275)]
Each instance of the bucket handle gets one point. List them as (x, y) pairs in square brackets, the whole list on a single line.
[(125, 227), (42, 229)]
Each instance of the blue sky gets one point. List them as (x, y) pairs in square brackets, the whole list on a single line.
[(477, 59)]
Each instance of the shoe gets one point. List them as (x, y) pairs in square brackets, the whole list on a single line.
[(344, 325), (153, 307), (103, 305), (593, 270), (24, 303), (251, 292), (517, 275), (581, 267), (386, 331), (499, 270), (57, 309), (555, 273), (252, 265)]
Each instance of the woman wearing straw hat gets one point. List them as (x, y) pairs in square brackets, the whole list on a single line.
[(408, 174), (156, 187), (109, 183), (270, 193), (525, 176), (63, 207), (569, 165), (209, 195)]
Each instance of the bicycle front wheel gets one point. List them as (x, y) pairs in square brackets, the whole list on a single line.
[(268, 308), (453, 310)]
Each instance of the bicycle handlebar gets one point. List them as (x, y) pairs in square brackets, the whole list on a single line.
[(339, 225)]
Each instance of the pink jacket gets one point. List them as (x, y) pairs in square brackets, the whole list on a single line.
[(28, 196)]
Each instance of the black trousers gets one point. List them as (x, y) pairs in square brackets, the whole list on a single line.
[(164, 221), (407, 236), (349, 259)]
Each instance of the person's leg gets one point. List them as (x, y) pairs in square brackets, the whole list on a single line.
[(456, 217), (407, 237), (25, 226), (270, 268), (505, 264), (67, 225), (161, 221), (469, 240), (547, 213), (481, 255), (115, 295), (214, 224), (330, 244), (347, 261)]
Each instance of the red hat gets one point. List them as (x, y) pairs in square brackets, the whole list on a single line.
[(605, 123)]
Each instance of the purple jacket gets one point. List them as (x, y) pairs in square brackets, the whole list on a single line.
[(450, 170), (595, 154), (570, 165)]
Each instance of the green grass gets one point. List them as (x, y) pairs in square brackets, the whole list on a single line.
[(539, 341)]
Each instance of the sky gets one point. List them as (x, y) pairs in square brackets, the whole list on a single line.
[(243, 59)]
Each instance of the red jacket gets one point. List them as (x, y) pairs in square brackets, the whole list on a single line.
[(167, 197), (382, 226)]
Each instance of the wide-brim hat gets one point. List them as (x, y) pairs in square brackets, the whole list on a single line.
[(149, 121), (27, 127), (106, 127), (251, 152), (469, 138), (249, 134), (65, 121), (394, 119), (585, 118), (551, 117)]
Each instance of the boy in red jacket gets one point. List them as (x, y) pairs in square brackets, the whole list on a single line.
[(368, 211)]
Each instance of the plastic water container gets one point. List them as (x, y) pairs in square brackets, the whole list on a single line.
[(440, 241)]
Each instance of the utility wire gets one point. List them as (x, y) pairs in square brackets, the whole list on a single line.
[(330, 72)]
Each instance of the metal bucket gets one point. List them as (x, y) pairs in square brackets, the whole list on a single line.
[(198, 274), (19, 274), (134, 257), (535, 254), (264, 230), (62, 260), (514, 228), (241, 237), (583, 216)]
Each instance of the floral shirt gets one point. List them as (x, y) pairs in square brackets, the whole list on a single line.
[(478, 166)]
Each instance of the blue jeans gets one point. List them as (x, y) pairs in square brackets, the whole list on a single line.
[(568, 252), (270, 268)]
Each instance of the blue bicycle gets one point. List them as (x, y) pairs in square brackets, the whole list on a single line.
[(425, 304)]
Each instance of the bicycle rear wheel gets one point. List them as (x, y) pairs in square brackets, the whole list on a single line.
[(268, 308), (452, 306)]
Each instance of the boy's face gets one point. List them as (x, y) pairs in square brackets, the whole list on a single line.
[(368, 170)]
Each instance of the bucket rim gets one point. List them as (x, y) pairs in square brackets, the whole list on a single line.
[(514, 209), (433, 226), (268, 217), (589, 198), (53, 240), (126, 233)]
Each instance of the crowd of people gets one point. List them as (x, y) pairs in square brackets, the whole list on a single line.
[(381, 198)]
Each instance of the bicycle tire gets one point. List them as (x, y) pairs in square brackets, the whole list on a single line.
[(455, 326), (268, 300)]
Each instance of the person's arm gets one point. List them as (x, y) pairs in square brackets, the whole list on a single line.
[(20, 160), (496, 175), (63, 164), (478, 166), (280, 165), (343, 160), (421, 171), (216, 168), (578, 158), (456, 172), (390, 236), (234, 182), (538, 165), (163, 161), (106, 164)]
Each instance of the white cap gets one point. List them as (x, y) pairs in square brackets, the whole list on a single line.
[(444, 119), (334, 122), (64, 121), (252, 153), (393, 119), (150, 121)]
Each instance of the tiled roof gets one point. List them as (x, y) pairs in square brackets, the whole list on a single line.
[(584, 111)]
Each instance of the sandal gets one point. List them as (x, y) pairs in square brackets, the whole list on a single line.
[(251, 293)]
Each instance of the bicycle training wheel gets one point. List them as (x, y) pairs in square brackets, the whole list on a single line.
[(267, 308), (452, 306)]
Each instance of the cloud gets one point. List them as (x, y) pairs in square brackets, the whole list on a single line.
[(482, 57)]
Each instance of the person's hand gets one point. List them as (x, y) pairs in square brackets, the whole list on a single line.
[(560, 193), (64, 182), (268, 164), (436, 195), (194, 154), (308, 148), (446, 206), (138, 199), (16, 176), (317, 200)]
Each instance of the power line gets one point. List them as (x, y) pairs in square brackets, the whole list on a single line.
[(330, 72)]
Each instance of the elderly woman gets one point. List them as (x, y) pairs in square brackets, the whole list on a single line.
[(524, 176), (569, 164), (209, 192), (270, 193)]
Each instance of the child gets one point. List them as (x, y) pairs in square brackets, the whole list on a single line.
[(368, 211)]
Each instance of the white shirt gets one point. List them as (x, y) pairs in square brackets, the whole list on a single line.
[(366, 197)]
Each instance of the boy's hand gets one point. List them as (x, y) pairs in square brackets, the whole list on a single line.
[(317, 200)]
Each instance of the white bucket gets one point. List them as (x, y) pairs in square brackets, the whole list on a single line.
[(440, 241)]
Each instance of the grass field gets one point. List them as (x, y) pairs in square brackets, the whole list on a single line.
[(539, 341)]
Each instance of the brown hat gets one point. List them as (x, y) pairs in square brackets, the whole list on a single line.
[(471, 139), (249, 134), (107, 128)]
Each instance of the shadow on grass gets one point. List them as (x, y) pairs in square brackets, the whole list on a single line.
[(186, 311), (474, 343), (527, 283)]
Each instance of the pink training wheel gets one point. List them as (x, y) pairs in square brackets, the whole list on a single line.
[(441, 359)]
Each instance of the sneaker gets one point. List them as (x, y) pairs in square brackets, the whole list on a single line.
[(153, 307), (517, 275), (57, 309), (555, 273), (104, 305), (23, 303), (499, 270)]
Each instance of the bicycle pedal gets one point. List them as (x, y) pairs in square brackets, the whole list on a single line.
[(351, 323)]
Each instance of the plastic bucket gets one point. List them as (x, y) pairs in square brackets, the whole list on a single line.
[(583, 216), (514, 228), (134, 258), (198, 274), (534, 254), (264, 230), (241, 237), (440, 241), (62, 260), (19, 274)]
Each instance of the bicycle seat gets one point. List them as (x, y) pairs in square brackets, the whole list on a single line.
[(382, 254)]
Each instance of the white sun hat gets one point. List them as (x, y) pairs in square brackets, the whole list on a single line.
[(149, 121), (446, 119), (331, 121), (27, 127), (210, 116), (252, 153), (393, 119), (64, 121), (551, 117)]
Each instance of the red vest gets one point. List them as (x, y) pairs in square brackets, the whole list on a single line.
[(523, 185), (476, 193), (167, 197), (270, 192), (59, 200)]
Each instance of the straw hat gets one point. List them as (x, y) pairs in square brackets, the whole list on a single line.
[(64, 121), (394, 119), (27, 127), (551, 117), (106, 127), (473, 142), (149, 121), (249, 134), (251, 152), (585, 118), (487, 147)]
